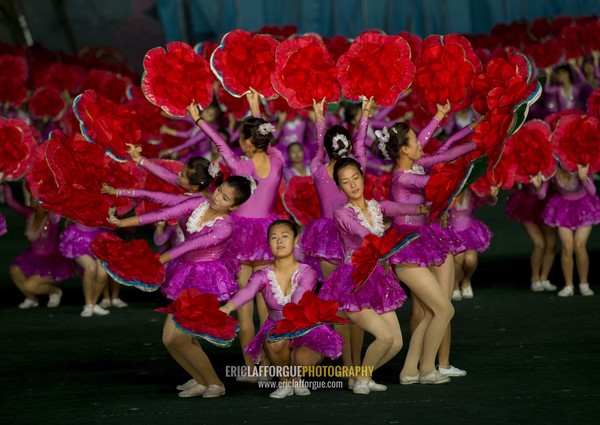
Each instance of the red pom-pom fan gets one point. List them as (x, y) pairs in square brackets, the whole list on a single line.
[(530, 149), (576, 141), (300, 199), (47, 104), (16, 148)]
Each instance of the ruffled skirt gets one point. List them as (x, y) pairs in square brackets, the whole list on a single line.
[(320, 239), (75, 242), (476, 237), (55, 266), (322, 339), (525, 208), (381, 292), (572, 214), (250, 241)]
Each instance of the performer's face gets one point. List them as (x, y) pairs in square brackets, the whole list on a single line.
[(412, 149), (223, 198), (282, 241), (296, 153), (351, 182)]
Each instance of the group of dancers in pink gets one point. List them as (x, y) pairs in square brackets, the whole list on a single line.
[(227, 240)]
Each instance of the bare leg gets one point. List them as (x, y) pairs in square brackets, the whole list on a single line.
[(101, 281), (566, 255), (327, 268), (19, 279), (357, 336), (539, 246), (416, 314), (445, 277), (246, 315), (392, 320), (40, 285), (549, 251), (459, 261), (279, 354), (581, 255), (470, 265), (88, 264), (344, 332), (172, 340)]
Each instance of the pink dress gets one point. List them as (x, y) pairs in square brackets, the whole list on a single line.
[(76, 239), (408, 186), (42, 257), (321, 339), (252, 218), (526, 205), (574, 205), (474, 233), (381, 292), (199, 261), (320, 238), (171, 236)]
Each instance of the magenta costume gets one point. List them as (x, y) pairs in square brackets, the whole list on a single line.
[(76, 239), (42, 257), (198, 262), (408, 186), (381, 292), (526, 205), (574, 205), (197, 143), (475, 235), (172, 236), (320, 237), (249, 241), (321, 339)]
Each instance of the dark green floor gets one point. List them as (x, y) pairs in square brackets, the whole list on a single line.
[(531, 359)]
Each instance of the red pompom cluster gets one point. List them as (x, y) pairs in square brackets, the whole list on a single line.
[(530, 149), (107, 84), (236, 106), (576, 141), (47, 104), (300, 199), (593, 104), (546, 53), (13, 74), (16, 148)]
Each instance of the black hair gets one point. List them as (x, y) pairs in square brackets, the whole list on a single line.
[(289, 147), (343, 140), (350, 111), (567, 69), (249, 130), (288, 223), (398, 138), (224, 134), (343, 163), (214, 104), (198, 175), (241, 185)]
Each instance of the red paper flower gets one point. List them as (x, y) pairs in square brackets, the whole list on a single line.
[(491, 133), (176, 76), (448, 180), (69, 122), (279, 208), (281, 105), (63, 76), (47, 103), (152, 183), (106, 123), (123, 175), (13, 66), (12, 91), (445, 67), (206, 49), (16, 148), (576, 141), (572, 39), (531, 150), (300, 199), (304, 71), (547, 53), (538, 29), (337, 46), (552, 119), (198, 315), (130, 263), (107, 84), (376, 65), (39, 175), (299, 319), (232, 105), (278, 32), (591, 41), (593, 104), (377, 187), (243, 61), (559, 23), (414, 41)]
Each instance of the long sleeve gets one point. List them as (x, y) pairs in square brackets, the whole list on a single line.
[(411, 180), (541, 194), (345, 222), (319, 158), (254, 286), (455, 138), (425, 134), (237, 166), (19, 208), (159, 171), (392, 209), (307, 281), (182, 209), (162, 238), (189, 143), (360, 153), (185, 134), (589, 185), (450, 155), (379, 118), (211, 236), (160, 198)]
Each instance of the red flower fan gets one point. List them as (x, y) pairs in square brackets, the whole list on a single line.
[(414, 41), (553, 119), (243, 60), (531, 150), (376, 65), (592, 37), (106, 123), (546, 53), (445, 67), (176, 76), (448, 180), (299, 319), (375, 250), (337, 46), (107, 84), (278, 32), (572, 39), (236, 106), (154, 184), (539, 29), (123, 175), (206, 49), (377, 187), (560, 22), (13, 66), (491, 133), (304, 71), (279, 208), (47, 103), (576, 141), (12, 91), (63, 76), (280, 105), (593, 104), (300, 199), (198, 315), (149, 117), (130, 263), (16, 148), (39, 175)]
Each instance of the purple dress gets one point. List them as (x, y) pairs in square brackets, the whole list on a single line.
[(42, 257), (76, 239), (172, 236), (320, 238), (475, 235), (198, 262), (249, 241), (526, 205), (574, 205), (381, 292), (321, 339), (408, 186)]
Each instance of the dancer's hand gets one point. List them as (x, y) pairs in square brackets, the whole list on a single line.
[(135, 152), (367, 106), (253, 101), (442, 110), (536, 181), (582, 172), (195, 112), (318, 109), (108, 189), (227, 308), (112, 219), (164, 153), (424, 209), (167, 130)]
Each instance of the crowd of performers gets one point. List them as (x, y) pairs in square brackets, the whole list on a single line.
[(224, 235)]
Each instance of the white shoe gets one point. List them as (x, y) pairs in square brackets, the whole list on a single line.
[(248, 379), (409, 380), (189, 384), (548, 286), (567, 291), (28, 303), (351, 383), (213, 391), (537, 286), (584, 289), (282, 392), (105, 303), (54, 299), (456, 295), (301, 389), (195, 391), (119, 303), (434, 378), (87, 311), (99, 311), (467, 292), (452, 371), (375, 387), (361, 387)]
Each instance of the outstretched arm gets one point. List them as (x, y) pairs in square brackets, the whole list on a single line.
[(425, 134), (23, 210), (360, 153), (450, 155), (319, 158), (307, 281), (215, 235), (245, 295)]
